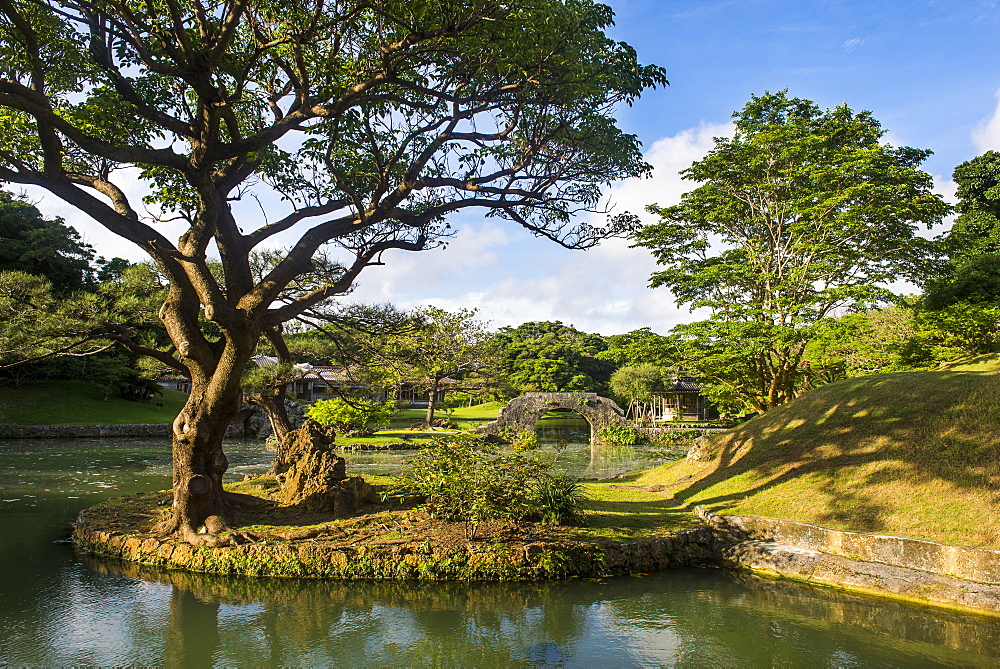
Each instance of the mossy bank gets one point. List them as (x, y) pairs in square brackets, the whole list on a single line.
[(390, 544)]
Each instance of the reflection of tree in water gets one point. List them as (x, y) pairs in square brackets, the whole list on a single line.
[(697, 617), (315, 621)]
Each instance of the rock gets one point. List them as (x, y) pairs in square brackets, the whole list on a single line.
[(214, 524), (315, 478)]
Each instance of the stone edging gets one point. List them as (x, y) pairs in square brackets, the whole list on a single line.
[(483, 561), (71, 431), (913, 569)]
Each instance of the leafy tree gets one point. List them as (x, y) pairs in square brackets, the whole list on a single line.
[(371, 121), (38, 322), (50, 248), (864, 343), (640, 383), (976, 230), (33, 244), (802, 212), (640, 347), (446, 345), (548, 356), (964, 303), (357, 417)]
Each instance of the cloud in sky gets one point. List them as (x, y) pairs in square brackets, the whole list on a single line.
[(853, 43), (986, 135)]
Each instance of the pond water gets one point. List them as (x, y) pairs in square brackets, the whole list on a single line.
[(61, 607), (563, 443)]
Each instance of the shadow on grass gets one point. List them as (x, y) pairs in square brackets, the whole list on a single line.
[(636, 514), (881, 431)]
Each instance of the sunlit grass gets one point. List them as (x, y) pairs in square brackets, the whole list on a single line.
[(916, 454), (83, 403)]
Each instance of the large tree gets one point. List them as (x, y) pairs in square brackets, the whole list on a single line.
[(356, 123), (803, 211), (548, 356), (964, 302), (446, 351)]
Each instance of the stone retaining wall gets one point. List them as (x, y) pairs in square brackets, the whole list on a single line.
[(912, 569), (70, 431), (479, 561)]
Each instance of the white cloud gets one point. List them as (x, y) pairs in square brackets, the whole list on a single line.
[(986, 135), (853, 43)]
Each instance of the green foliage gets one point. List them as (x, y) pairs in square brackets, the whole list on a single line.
[(475, 481), (352, 418), (451, 345), (641, 347), (963, 304), (559, 500), (640, 383), (552, 357), (976, 231), (49, 248), (524, 441), (802, 212), (621, 435)]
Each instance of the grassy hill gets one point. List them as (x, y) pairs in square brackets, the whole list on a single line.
[(914, 453), (82, 403)]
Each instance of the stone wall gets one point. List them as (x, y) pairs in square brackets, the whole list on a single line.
[(480, 561), (70, 431), (913, 569)]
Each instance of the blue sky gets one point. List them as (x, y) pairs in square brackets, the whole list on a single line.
[(929, 70)]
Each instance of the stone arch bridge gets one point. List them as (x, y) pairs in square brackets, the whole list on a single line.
[(521, 413)]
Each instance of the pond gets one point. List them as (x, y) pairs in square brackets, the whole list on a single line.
[(563, 442), (60, 607)]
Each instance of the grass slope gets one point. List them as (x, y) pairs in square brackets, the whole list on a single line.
[(82, 403), (914, 453)]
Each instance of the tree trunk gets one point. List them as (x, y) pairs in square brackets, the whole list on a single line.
[(273, 405), (199, 462), (431, 403)]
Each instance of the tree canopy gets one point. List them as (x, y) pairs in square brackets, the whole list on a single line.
[(356, 125), (547, 356), (802, 212), (39, 246)]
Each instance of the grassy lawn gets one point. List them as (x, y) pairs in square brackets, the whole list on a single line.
[(82, 403), (914, 453), (466, 417)]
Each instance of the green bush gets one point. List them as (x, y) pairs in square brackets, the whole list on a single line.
[(474, 481), (559, 500), (621, 435), (355, 418)]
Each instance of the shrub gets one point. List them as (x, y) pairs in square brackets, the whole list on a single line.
[(355, 418), (475, 481), (558, 500), (621, 435)]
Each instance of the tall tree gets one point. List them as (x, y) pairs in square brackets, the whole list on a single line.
[(547, 356), (802, 212), (447, 350), (370, 121), (43, 247), (964, 302)]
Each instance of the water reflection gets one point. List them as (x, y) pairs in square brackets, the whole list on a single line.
[(689, 617)]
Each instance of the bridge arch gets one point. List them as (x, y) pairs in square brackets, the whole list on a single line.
[(521, 413)]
